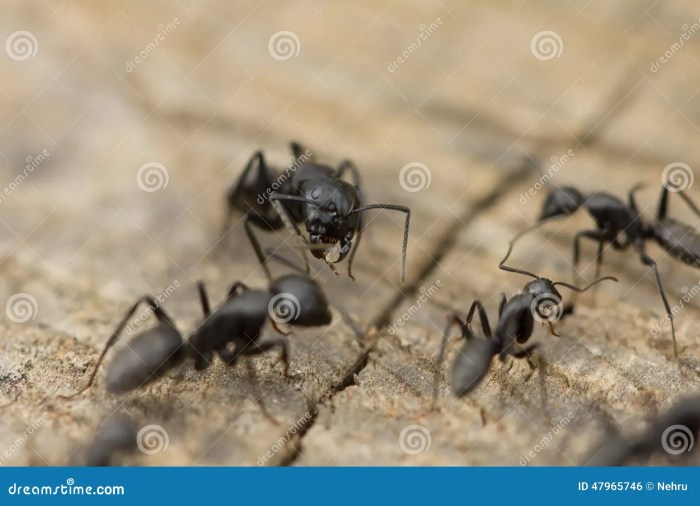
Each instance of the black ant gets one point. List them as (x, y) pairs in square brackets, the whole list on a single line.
[(620, 225), (316, 195), (232, 330), (673, 432), (539, 300)]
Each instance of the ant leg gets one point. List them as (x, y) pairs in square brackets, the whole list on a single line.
[(235, 286), (524, 352), (599, 258), (630, 196), (270, 253), (596, 235), (248, 226), (203, 299), (356, 243), (452, 320), (502, 304), (228, 356), (663, 204), (349, 166), (236, 191), (349, 321), (551, 329), (647, 260), (483, 317), (297, 150), (277, 329), (291, 226), (272, 342), (335, 271), (114, 337), (257, 393)]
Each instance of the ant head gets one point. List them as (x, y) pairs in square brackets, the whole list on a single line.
[(330, 219), (547, 303), (561, 201), (298, 300), (540, 287)]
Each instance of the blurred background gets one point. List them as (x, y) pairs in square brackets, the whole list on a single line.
[(125, 122)]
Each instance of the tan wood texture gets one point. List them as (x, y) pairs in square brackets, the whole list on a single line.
[(474, 107)]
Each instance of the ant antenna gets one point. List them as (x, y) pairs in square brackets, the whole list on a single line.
[(392, 207), (512, 242), (586, 288)]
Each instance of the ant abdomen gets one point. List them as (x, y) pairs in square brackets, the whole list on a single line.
[(681, 241)]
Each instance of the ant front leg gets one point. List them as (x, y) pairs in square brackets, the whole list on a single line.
[(648, 261), (483, 317), (348, 165), (236, 196), (595, 235), (355, 244), (275, 198)]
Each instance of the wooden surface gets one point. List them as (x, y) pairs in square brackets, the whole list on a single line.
[(472, 103)]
